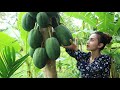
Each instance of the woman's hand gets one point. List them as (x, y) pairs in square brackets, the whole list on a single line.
[(72, 46)]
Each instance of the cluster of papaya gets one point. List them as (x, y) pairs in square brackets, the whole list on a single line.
[(33, 22)]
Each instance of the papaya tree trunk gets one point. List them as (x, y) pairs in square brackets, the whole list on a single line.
[(50, 68)]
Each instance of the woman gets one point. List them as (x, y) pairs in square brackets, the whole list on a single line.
[(92, 64)]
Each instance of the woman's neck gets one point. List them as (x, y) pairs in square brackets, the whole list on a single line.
[(95, 54)]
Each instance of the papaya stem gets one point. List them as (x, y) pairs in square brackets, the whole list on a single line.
[(42, 44), (56, 21), (49, 31), (34, 26)]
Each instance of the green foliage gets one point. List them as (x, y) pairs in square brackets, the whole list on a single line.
[(105, 21), (114, 52), (88, 17), (8, 62), (66, 66), (108, 22), (6, 40), (102, 21), (23, 33)]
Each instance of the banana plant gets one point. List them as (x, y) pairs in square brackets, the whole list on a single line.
[(88, 17), (8, 62), (102, 21)]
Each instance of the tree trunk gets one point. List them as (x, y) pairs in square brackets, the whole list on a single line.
[(50, 68)]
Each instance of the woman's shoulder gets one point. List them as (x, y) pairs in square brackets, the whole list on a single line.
[(105, 58)]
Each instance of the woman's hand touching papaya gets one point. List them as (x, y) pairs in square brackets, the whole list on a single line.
[(72, 46)]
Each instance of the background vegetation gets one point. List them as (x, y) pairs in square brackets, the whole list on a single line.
[(14, 47)]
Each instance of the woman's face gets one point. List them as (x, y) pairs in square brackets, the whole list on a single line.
[(92, 43)]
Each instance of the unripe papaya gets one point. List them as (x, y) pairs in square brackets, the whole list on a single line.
[(63, 35), (28, 22), (31, 52), (52, 14), (40, 57), (33, 14), (42, 19), (52, 48), (35, 38)]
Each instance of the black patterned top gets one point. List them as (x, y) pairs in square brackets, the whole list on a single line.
[(99, 68)]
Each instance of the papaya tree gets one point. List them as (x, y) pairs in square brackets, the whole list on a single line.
[(45, 36), (47, 30)]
